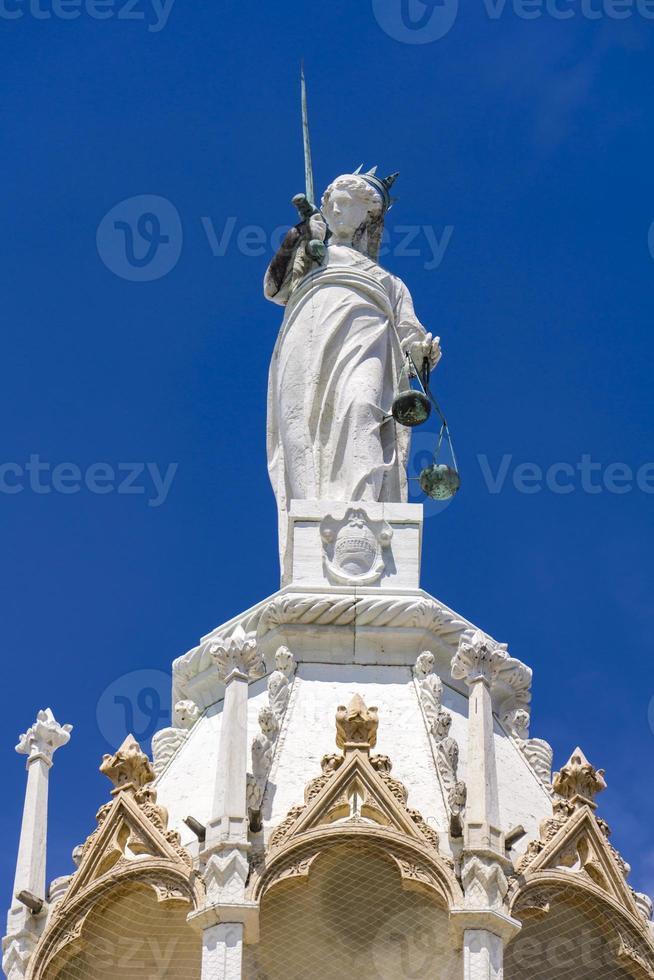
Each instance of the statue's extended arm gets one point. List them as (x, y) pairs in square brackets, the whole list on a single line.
[(300, 251), (413, 337)]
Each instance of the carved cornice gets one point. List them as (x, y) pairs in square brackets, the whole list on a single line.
[(413, 612), (343, 608)]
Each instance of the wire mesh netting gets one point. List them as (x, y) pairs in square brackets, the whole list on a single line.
[(577, 939), (351, 915), (130, 935)]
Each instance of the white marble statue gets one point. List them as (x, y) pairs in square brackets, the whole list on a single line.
[(339, 354)]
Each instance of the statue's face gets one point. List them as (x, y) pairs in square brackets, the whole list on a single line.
[(346, 210)]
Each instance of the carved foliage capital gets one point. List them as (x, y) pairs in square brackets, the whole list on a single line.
[(478, 658), (237, 653), (44, 737)]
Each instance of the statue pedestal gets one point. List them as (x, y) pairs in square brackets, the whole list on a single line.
[(357, 543)]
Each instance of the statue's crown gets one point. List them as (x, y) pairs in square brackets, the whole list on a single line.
[(381, 184)]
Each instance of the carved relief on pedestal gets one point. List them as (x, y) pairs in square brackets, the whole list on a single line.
[(439, 721), (354, 548), (167, 742)]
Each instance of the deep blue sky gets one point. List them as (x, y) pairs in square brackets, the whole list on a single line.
[(532, 140)]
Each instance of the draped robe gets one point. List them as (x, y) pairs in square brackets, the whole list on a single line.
[(333, 375)]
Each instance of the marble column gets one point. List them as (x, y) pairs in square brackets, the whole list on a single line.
[(483, 954), (227, 919), (484, 922), (39, 743), (222, 951), (478, 662)]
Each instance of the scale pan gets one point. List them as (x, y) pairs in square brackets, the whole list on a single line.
[(411, 408), (440, 482)]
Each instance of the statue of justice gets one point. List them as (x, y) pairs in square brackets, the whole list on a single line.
[(348, 331)]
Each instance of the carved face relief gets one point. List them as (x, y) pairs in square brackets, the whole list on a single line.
[(186, 714), (268, 722), (354, 548), (424, 665), (284, 660)]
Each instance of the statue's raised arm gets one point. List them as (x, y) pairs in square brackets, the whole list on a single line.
[(347, 327)]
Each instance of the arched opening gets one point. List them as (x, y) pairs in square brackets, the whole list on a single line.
[(130, 935), (569, 933), (351, 914)]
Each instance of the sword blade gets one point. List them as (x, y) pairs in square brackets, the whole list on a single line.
[(308, 164)]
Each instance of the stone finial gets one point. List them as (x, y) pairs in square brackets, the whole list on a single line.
[(279, 682), (424, 665), (129, 769), (579, 781), (237, 653), (44, 737), (478, 658), (356, 724), (185, 715)]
